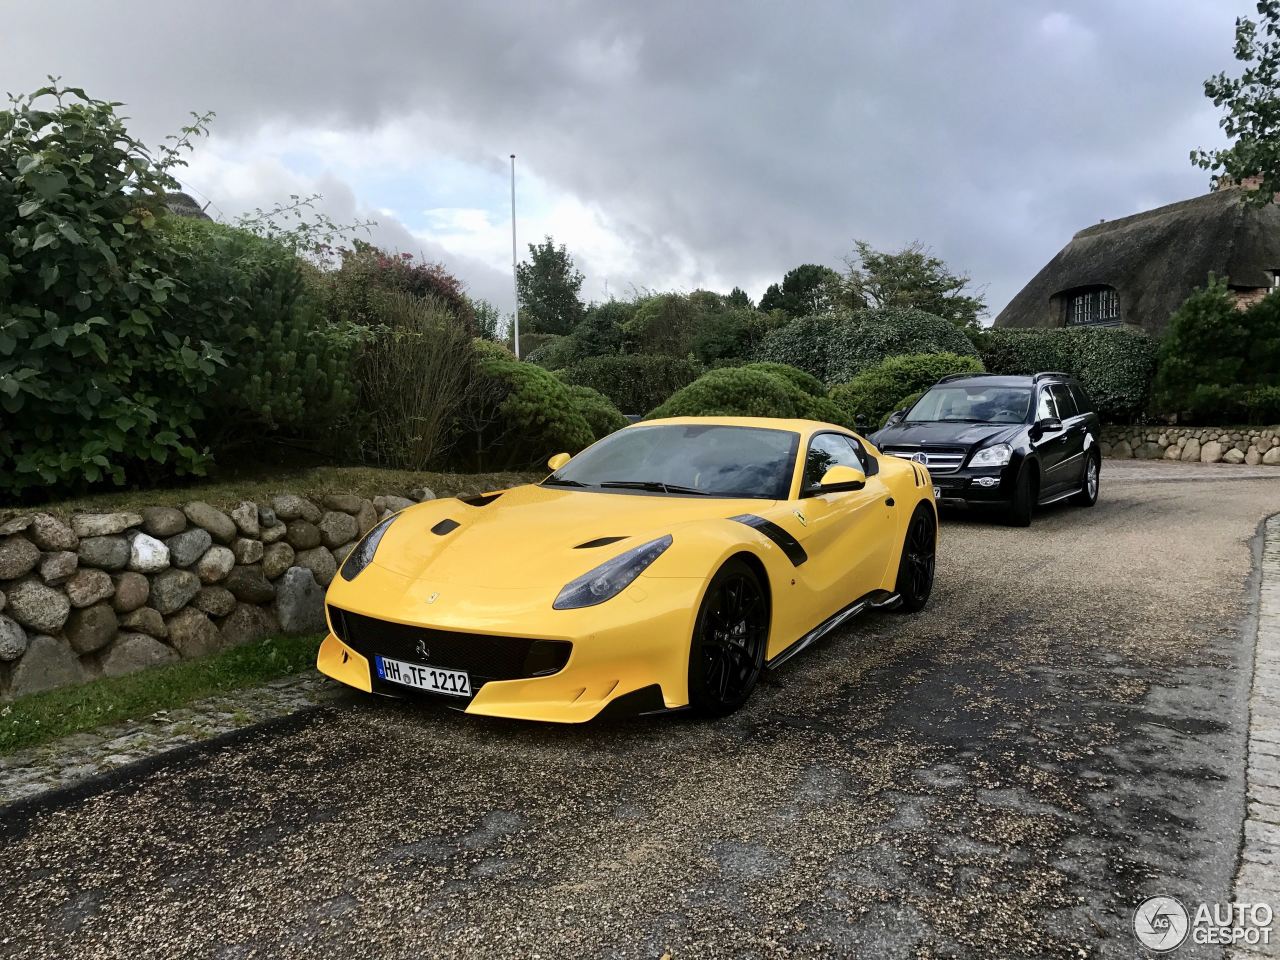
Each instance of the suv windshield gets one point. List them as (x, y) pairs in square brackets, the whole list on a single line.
[(690, 459), (974, 403)]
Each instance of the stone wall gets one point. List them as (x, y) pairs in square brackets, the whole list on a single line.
[(1250, 445), (105, 594)]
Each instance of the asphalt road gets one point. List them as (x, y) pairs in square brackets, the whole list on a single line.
[(1058, 735)]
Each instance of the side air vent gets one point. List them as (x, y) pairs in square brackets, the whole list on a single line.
[(600, 542), (445, 526), (480, 499)]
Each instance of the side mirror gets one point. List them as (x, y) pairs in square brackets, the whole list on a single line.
[(840, 478), (894, 418), (1049, 425), (558, 461)]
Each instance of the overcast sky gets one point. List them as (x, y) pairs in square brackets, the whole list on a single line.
[(671, 145)]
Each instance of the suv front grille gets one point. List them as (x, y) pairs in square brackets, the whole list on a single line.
[(937, 459), (482, 656)]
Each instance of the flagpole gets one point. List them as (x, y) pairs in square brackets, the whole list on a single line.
[(515, 282)]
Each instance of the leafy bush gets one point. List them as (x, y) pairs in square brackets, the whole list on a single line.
[(806, 382), (555, 352), (102, 366), (415, 371), (835, 347), (634, 383), (746, 392), (286, 369), (1218, 363), (367, 274), (1114, 365), (601, 415), (877, 392)]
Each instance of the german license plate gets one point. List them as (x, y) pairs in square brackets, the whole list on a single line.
[(937, 493), (454, 682)]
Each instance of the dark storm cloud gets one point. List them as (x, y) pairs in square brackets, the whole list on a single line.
[(753, 135)]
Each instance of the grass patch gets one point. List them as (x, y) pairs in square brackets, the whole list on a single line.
[(43, 717), (259, 487)]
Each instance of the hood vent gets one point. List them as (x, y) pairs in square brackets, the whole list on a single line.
[(445, 526), (480, 499), (600, 542)]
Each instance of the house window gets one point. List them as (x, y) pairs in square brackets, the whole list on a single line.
[(1275, 280), (1100, 306)]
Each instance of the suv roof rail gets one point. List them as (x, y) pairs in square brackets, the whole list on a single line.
[(1050, 373), (965, 376)]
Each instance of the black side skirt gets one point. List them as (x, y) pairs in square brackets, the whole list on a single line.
[(876, 599)]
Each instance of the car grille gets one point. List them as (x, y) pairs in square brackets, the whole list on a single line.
[(937, 459), (483, 657)]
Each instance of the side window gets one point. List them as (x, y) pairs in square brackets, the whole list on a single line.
[(828, 450), (1044, 406), (1083, 403), (1063, 400)]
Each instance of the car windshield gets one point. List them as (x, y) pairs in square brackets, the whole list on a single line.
[(687, 459), (972, 403)]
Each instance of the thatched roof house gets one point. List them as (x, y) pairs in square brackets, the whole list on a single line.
[(184, 206), (1139, 269)]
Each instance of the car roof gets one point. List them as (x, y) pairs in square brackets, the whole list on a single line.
[(994, 380)]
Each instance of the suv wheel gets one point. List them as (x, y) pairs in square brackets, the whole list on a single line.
[(1025, 491), (1088, 494)]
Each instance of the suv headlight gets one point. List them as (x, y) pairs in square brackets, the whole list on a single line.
[(362, 555), (611, 577), (996, 455)]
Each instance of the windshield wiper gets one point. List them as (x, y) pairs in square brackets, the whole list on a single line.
[(655, 486), (562, 482)]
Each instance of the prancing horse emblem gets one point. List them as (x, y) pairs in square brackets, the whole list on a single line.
[(920, 458), (433, 598), (422, 650)]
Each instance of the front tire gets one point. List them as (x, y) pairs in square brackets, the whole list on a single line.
[(726, 654), (1024, 498), (1088, 494), (917, 562)]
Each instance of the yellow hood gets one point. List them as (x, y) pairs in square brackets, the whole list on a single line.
[(530, 536)]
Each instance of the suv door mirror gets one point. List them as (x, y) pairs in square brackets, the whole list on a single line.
[(840, 478), (895, 418), (1048, 425)]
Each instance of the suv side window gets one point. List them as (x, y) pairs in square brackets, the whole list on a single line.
[(1083, 403), (1044, 406), (827, 450), (1063, 400)]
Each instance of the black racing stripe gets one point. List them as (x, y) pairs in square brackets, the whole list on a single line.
[(789, 544)]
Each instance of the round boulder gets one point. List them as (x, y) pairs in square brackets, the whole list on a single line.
[(245, 515), (88, 586), (173, 589), (221, 527), (338, 528), (299, 602), (247, 551), (132, 591), (249, 585), (276, 559), (215, 564), (273, 533), (105, 553), (39, 607), (163, 521), (58, 567), (92, 628), (193, 634), (133, 652), (247, 624), (303, 535), (320, 562), (13, 639), (290, 506), (18, 557), (186, 548), (147, 620), (48, 663), (215, 601), (103, 524), (147, 554), (50, 533)]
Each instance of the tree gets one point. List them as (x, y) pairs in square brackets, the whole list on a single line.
[(1252, 108), (738, 298), (548, 287), (911, 278), (807, 289)]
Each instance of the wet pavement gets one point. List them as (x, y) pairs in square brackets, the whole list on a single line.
[(1061, 733)]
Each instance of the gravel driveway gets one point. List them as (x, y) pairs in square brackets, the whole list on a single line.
[(1058, 735)]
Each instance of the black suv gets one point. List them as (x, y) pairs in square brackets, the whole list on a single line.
[(1006, 442)]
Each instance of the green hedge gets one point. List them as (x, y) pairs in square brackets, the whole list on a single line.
[(635, 383), (746, 392), (1114, 365), (835, 347), (601, 415), (877, 392), (805, 381)]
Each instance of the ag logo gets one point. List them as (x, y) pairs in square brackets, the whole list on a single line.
[(920, 458), (1160, 924)]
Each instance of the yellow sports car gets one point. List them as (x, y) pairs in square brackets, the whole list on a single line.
[(664, 567)]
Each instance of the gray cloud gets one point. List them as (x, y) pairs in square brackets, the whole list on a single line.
[(755, 135)]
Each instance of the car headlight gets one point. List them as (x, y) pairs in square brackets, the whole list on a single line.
[(996, 455), (610, 578), (362, 555)]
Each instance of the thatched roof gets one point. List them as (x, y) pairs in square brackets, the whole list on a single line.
[(1154, 260), (184, 206)]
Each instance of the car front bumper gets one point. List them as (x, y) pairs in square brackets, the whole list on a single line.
[(991, 487), (621, 649)]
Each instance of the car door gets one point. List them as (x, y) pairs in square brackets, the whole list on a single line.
[(1075, 432), (1050, 445), (847, 535)]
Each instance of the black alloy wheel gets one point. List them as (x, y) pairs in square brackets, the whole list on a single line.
[(916, 565), (729, 639), (1025, 494)]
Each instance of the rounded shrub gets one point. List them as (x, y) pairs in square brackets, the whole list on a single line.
[(880, 390), (601, 415), (635, 383), (743, 392), (555, 352), (835, 347), (805, 381)]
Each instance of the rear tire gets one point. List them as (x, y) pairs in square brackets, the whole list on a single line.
[(726, 654), (917, 562), (1024, 498), (1088, 494)]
